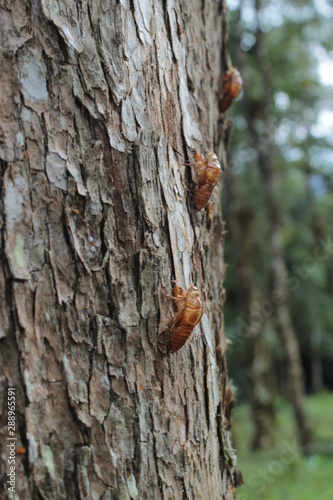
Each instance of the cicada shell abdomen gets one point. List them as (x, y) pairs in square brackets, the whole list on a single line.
[(202, 196), (189, 314), (207, 180), (232, 86), (184, 327)]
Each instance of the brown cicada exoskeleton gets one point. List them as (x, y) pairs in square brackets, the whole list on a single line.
[(189, 314), (232, 86), (209, 172)]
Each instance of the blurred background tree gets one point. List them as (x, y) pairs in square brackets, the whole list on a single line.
[(278, 202)]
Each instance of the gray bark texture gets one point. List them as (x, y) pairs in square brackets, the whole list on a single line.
[(102, 103)]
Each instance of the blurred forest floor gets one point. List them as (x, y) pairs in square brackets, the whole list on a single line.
[(266, 473)]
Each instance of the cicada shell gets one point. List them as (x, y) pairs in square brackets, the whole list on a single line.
[(188, 316), (209, 172), (232, 86)]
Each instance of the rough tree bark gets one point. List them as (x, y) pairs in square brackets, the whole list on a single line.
[(102, 104)]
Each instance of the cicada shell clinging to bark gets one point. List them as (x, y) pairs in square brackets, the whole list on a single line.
[(209, 172), (232, 86), (188, 316)]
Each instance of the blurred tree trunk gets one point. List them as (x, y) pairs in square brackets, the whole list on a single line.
[(279, 297), (317, 228), (256, 353), (102, 104), (256, 113), (317, 381), (260, 376)]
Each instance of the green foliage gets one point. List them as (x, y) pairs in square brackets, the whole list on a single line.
[(295, 120), (267, 475)]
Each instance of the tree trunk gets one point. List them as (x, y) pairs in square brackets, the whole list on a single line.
[(103, 102), (317, 228)]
